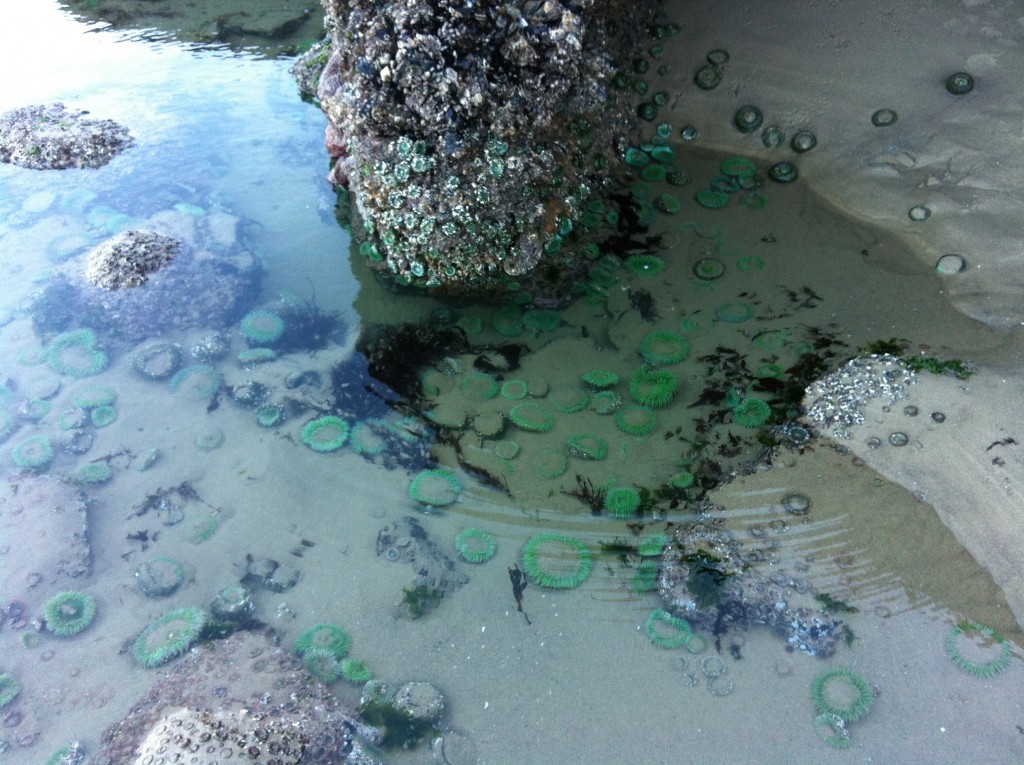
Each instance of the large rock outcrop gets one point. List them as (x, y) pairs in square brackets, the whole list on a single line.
[(470, 135)]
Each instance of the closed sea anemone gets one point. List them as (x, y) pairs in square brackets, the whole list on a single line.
[(262, 327), (978, 650), (557, 561), (843, 693), (34, 453), (325, 636), (475, 546), (69, 613), (325, 434), (355, 671), (169, 636), (664, 347), (653, 387), (622, 502), (436, 487)]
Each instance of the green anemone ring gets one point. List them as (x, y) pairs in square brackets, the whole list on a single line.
[(199, 381), (843, 693), (436, 487), (322, 664), (712, 199), (737, 167), (33, 453), (832, 730), (532, 417), (621, 501), (605, 402), (75, 354), (269, 415), (68, 613), (479, 386), (369, 437), (664, 347), (666, 630), (709, 269), (751, 413), (93, 473), (355, 672), (325, 434), (600, 379), (545, 557), (169, 636), (588, 446), (262, 327), (95, 395), (514, 390), (653, 546), (985, 636), (328, 636), (102, 416), (644, 265), (652, 387), (9, 689), (734, 313), (475, 546)]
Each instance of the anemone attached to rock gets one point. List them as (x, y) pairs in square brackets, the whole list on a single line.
[(169, 636), (68, 613)]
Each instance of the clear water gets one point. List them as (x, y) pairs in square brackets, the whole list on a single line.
[(224, 143)]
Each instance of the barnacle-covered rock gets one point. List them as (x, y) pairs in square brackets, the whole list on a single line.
[(127, 259), (54, 138), (469, 136)]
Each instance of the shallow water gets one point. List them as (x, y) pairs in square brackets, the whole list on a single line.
[(226, 149)]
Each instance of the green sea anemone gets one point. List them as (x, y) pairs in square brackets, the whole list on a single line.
[(199, 381), (436, 487), (327, 636), (35, 409), (92, 474), (355, 671), (69, 613), (169, 636), (514, 390), (34, 453), (557, 561), (102, 416), (734, 313), (668, 203), (323, 664), (636, 420), (588, 446), (843, 693), (605, 402), (75, 354), (157, 361), (69, 754), (537, 320), (712, 199), (600, 379), (479, 386), (8, 422), (666, 630), (569, 400), (653, 387), (9, 689), (982, 640), (645, 578), (621, 502), (475, 546), (682, 480), (664, 347), (644, 265), (653, 546), (508, 321), (369, 436), (95, 395), (325, 434), (262, 327), (252, 356), (159, 577), (270, 415), (532, 416), (832, 730), (507, 449), (751, 413)]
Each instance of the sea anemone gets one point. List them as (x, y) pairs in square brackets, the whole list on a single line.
[(588, 446), (734, 313), (322, 663), (549, 463), (69, 613), (600, 379), (645, 578), (325, 434), (34, 453), (557, 561), (159, 577), (751, 413), (508, 321), (569, 400), (475, 546), (682, 480), (95, 395), (269, 415), (653, 545), (621, 501), (93, 473), (169, 636), (35, 409), (9, 689), (369, 437), (843, 693), (436, 487), (7, 424), (644, 265), (538, 320), (75, 354), (678, 632), (605, 402), (636, 420), (102, 416), (532, 416), (479, 386), (832, 731), (157, 361), (515, 390), (199, 381), (209, 438), (978, 637), (355, 671), (262, 327), (326, 636), (653, 387)]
